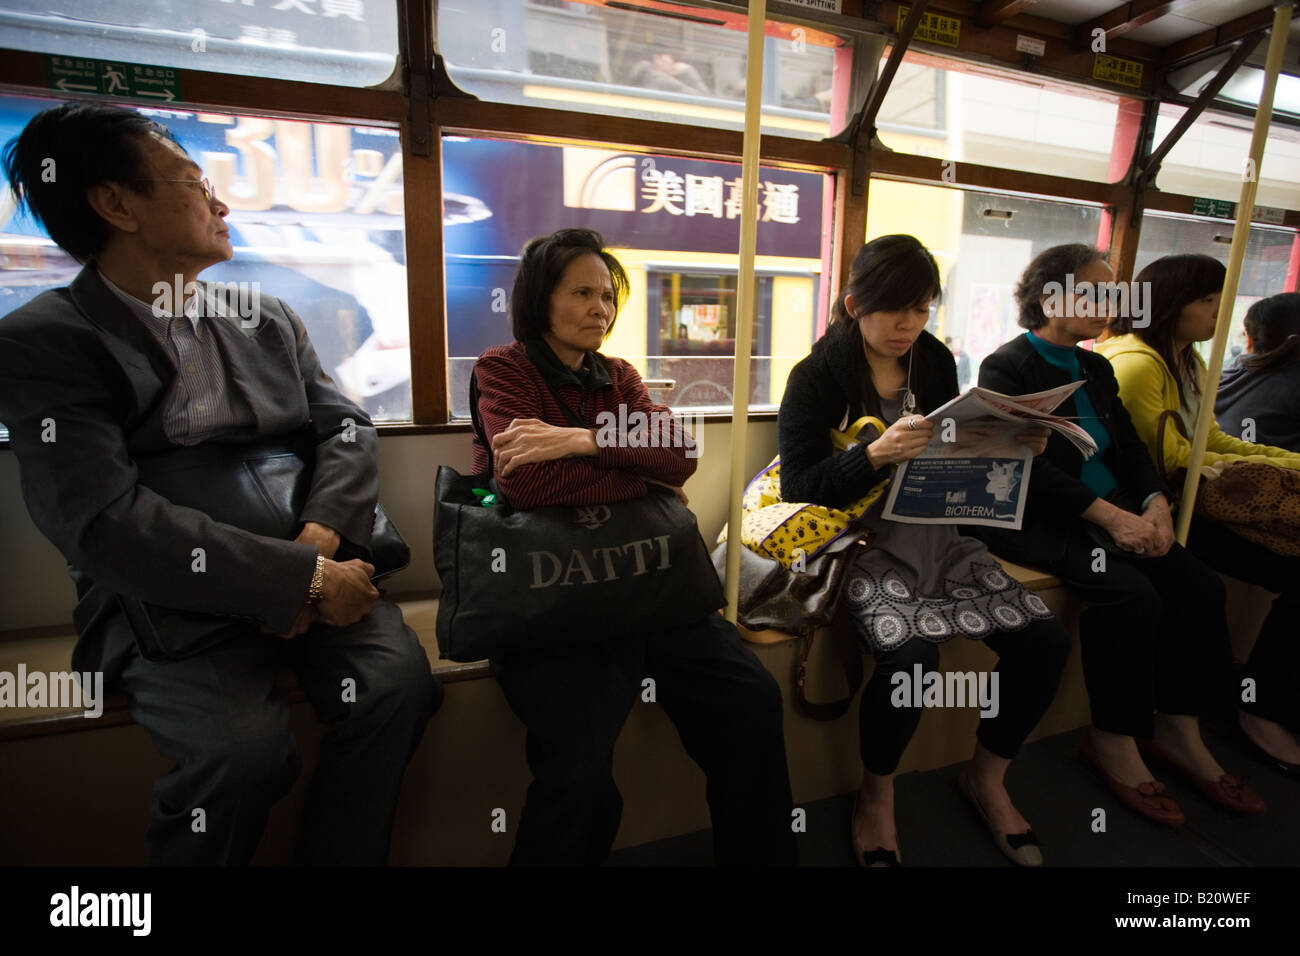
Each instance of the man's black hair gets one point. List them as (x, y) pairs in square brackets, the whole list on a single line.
[(66, 150)]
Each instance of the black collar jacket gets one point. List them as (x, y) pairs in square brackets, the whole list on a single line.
[(820, 393), (1057, 496)]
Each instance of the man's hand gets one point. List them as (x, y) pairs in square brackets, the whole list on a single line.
[(306, 618), (1158, 516), (529, 440), (321, 537), (1036, 440), (346, 594), (679, 492)]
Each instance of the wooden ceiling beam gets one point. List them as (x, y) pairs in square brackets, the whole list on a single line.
[(1125, 18), (994, 12), (886, 13), (1216, 38)]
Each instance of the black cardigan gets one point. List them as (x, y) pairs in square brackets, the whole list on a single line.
[(1056, 495), (817, 393)]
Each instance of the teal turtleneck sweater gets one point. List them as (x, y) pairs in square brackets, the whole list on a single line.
[(1094, 473)]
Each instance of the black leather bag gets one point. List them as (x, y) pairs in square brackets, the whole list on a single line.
[(260, 487), (802, 603), (515, 580)]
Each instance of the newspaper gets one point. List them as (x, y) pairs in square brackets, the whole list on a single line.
[(975, 471)]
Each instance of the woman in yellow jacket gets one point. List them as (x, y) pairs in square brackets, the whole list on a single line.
[(1158, 369)]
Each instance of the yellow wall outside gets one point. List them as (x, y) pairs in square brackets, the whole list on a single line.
[(793, 300), (931, 213), (792, 314)]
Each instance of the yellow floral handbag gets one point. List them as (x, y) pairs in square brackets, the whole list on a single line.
[(789, 531)]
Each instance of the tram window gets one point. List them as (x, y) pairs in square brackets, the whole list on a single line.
[(341, 42), (693, 341), (917, 100), (316, 219), (673, 62), (1210, 159), (977, 115), (1270, 265), (664, 217), (982, 242)]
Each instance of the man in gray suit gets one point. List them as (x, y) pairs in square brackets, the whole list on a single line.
[(135, 420)]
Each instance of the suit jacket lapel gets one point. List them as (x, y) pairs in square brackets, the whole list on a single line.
[(98, 303), (255, 359), (146, 362)]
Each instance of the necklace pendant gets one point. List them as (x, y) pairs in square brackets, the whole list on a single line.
[(909, 402)]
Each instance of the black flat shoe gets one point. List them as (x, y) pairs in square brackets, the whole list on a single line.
[(1021, 848), (1284, 767), (877, 857)]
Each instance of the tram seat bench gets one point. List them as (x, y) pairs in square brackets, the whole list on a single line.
[(50, 649), (73, 798)]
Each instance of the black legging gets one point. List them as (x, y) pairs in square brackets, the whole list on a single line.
[(1274, 663), (1029, 668), (1153, 632)]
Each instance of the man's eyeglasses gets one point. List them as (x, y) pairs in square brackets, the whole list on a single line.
[(203, 184)]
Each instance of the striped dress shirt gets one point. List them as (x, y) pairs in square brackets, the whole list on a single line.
[(201, 404)]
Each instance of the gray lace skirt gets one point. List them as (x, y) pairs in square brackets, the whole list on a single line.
[(931, 582)]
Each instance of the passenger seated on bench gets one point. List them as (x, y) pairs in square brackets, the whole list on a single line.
[(918, 585), (99, 376), (1154, 633), (1158, 370), (575, 699), (1259, 394)]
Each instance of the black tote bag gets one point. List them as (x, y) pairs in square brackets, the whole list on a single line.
[(260, 487), (546, 577)]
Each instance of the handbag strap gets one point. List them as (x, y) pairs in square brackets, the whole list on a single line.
[(574, 418), (476, 422), (1165, 417), (846, 647), (846, 438)]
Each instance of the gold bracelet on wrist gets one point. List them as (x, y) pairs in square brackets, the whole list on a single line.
[(317, 586)]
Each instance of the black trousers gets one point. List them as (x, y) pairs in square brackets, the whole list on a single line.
[(1154, 633), (219, 717), (727, 709), (1274, 662), (1029, 669)]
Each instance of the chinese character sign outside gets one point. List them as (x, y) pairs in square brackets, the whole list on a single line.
[(638, 202), (498, 195)]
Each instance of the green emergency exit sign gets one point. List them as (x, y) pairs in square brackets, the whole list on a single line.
[(1218, 208), (78, 74)]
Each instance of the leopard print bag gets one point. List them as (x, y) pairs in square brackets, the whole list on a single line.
[(1257, 501)]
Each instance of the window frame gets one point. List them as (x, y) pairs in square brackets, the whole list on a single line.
[(427, 106)]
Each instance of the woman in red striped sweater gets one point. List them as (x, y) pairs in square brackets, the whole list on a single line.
[(575, 699)]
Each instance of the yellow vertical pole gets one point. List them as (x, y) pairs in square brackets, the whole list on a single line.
[(1240, 232), (745, 294)]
